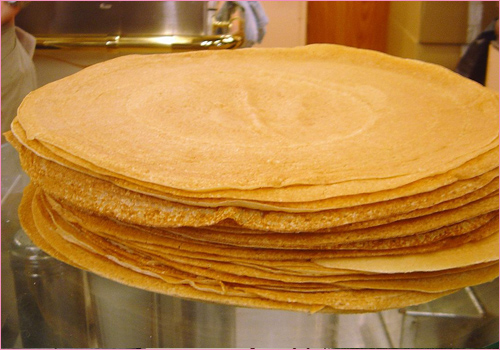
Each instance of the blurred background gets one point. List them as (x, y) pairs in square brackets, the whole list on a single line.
[(432, 31)]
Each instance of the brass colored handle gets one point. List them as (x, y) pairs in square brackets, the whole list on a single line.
[(226, 26), (164, 43)]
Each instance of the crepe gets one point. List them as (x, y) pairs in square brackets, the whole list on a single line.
[(168, 242), (53, 175), (318, 179), (179, 140), (475, 252), (126, 267), (329, 196), (71, 187)]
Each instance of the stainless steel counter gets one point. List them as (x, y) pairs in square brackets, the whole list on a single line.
[(46, 303)]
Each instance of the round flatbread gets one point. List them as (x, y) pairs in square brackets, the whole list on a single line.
[(314, 115)]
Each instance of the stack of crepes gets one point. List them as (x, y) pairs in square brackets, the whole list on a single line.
[(318, 178)]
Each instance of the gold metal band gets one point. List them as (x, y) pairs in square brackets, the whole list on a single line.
[(163, 43)]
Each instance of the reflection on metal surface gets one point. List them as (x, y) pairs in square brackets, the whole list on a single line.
[(129, 317), (164, 43), (50, 298), (477, 312), (119, 316), (165, 25), (53, 18), (453, 321)]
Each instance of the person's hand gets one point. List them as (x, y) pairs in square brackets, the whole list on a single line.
[(9, 12)]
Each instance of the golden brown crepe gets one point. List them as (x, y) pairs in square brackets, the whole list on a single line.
[(317, 178), (130, 268), (127, 116)]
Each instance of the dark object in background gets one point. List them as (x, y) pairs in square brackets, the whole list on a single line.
[(473, 63)]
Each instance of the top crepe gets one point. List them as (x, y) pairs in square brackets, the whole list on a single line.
[(266, 118)]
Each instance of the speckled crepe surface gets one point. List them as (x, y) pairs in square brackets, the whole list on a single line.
[(362, 182), (129, 267), (305, 198), (336, 115), (478, 251), (108, 199), (170, 242)]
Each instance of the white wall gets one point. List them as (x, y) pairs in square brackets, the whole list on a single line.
[(287, 23)]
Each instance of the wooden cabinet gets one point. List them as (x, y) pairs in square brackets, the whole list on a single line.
[(361, 24)]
